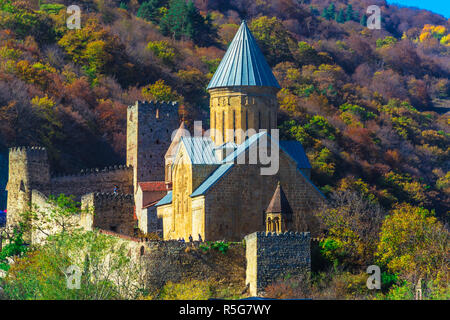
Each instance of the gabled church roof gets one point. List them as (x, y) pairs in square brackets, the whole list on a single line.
[(289, 148), (166, 200), (200, 150), (243, 64)]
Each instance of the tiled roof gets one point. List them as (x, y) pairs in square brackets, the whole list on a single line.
[(279, 202), (153, 186), (166, 200), (243, 64), (151, 204), (200, 150)]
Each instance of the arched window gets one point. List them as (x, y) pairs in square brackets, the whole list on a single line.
[(269, 225), (142, 251)]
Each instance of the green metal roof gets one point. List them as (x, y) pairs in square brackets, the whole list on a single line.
[(200, 150), (166, 200), (243, 64)]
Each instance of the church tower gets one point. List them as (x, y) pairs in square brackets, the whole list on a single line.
[(243, 92)]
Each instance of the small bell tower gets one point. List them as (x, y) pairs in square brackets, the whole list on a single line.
[(279, 212)]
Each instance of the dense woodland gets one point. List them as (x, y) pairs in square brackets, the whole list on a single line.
[(369, 106)]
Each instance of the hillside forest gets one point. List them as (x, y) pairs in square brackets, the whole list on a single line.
[(371, 107)]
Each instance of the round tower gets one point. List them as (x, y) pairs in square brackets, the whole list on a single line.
[(28, 169), (243, 92)]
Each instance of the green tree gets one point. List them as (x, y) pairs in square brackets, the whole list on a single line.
[(151, 10), (159, 91), (352, 222), (108, 268), (15, 247), (174, 21), (183, 20), (349, 13), (273, 38), (340, 17), (413, 243), (330, 12), (199, 28), (363, 20)]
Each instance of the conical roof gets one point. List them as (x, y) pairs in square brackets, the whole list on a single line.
[(279, 203), (243, 64)]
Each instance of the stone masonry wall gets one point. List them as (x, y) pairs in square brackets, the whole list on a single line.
[(108, 211), (94, 180), (46, 226), (174, 261), (149, 130), (177, 261), (235, 205), (28, 169), (272, 256)]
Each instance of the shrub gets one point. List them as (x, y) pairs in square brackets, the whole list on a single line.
[(162, 50), (189, 290)]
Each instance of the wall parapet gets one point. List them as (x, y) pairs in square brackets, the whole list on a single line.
[(156, 108), (92, 171), (271, 256)]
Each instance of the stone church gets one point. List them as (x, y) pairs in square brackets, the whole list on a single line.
[(214, 195), (178, 185)]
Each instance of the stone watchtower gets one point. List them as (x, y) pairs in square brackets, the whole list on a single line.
[(243, 91), (28, 169), (149, 130)]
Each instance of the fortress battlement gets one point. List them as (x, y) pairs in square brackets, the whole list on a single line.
[(159, 109), (289, 235), (26, 148), (34, 152), (106, 198), (93, 171)]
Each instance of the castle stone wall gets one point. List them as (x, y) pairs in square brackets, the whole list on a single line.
[(94, 180), (149, 130), (28, 169), (272, 256), (177, 261), (40, 203), (108, 211)]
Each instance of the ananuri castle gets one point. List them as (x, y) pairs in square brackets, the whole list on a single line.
[(180, 185)]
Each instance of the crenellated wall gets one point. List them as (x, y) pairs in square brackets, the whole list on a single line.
[(28, 169), (271, 256), (149, 130), (108, 211), (94, 180)]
